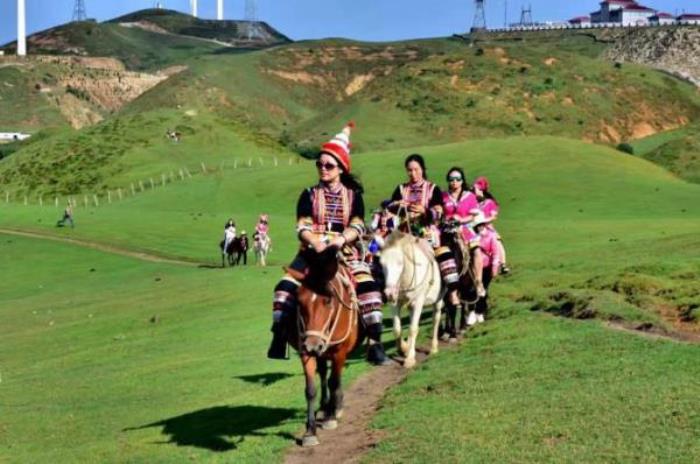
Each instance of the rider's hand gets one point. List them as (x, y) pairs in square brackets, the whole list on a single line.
[(319, 246), (420, 209), (338, 242)]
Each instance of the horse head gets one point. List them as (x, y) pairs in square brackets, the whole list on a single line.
[(392, 260), (318, 303)]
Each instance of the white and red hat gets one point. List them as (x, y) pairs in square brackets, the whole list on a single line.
[(339, 146)]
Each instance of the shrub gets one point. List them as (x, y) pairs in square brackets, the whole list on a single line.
[(626, 148)]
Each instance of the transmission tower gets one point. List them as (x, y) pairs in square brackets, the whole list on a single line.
[(479, 23), (526, 16), (251, 15), (79, 13)]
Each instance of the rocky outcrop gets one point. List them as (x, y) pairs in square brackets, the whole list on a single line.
[(672, 49)]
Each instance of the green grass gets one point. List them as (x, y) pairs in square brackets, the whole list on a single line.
[(591, 233)]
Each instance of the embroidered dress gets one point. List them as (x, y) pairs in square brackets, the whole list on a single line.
[(326, 214)]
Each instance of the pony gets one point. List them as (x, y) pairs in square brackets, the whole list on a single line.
[(262, 246), (412, 278), (236, 249), (452, 238), (324, 332)]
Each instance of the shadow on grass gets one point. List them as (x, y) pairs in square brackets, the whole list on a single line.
[(222, 428), (265, 379)]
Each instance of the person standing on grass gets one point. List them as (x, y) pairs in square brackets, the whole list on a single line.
[(491, 264), (229, 235), (490, 208), (242, 249), (331, 214), (67, 217)]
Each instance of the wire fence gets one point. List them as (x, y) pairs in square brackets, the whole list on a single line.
[(135, 188)]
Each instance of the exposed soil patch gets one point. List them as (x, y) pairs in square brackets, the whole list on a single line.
[(353, 438), (651, 331), (358, 83)]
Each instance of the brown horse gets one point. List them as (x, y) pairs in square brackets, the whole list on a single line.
[(324, 332), (452, 238)]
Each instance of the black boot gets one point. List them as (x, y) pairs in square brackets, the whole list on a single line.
[(375, 353), (278, 347)]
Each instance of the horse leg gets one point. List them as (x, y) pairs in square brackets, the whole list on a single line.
[(309, 363), (335, 407), (437, 314), (400, 344), (322, 366), (416, 309)]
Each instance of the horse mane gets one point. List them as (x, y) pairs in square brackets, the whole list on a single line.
[(322, 268)]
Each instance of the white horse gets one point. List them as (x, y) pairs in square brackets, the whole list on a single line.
[(412, 279), (262, 246)]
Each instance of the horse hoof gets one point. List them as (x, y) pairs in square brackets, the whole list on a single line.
[(309, 440), (339, 413), (409, 363), (452, 340), (434, 350), (320, 415), (330, 424), (444, 337)]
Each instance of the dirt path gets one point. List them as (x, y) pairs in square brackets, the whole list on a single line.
[(99, 246), (353, 437), (655, 332)]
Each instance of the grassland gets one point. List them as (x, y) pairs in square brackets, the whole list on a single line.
[(110, 357)]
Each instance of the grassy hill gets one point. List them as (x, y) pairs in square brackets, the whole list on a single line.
[(292, 98), (678, 151), (111, 357)]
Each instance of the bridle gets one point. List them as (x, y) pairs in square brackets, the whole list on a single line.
[(342, 289)]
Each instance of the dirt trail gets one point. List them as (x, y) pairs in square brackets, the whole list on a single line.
[(353, 437), (100, 246), (654, 332)]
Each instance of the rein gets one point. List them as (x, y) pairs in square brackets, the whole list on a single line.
[(331, 323)]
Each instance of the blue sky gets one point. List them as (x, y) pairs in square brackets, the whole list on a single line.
[(310, 19)]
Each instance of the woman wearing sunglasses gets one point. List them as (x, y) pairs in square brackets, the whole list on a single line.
[(461, 206), (331, 213)]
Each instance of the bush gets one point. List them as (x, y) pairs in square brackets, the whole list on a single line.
[(626, 148)]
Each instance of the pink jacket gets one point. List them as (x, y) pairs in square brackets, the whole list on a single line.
[(489, 208), (466, 206), (490, 251), (261, 228)]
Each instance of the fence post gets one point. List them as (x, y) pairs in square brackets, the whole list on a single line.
[(25, 201), (290, 161), (187, 171), (55, 201), (162, 179), (109, 196), (152, 183), (7, 197), (85, 201), (275, 161), (250, 162), (172, 176), (182, 175), (261, 161), (41, 201), (120, 193), (141, 185), (97, 202), (235, 163), (204, 168)]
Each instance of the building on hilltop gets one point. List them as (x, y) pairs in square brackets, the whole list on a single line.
[(662, 19), (582, 21), (689, 18), (623, 12)]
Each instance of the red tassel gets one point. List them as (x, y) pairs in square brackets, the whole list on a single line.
[(351, 124)]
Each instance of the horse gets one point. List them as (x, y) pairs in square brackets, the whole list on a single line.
[(233, 252), (324, 331), (262, 247), (452, 237), (412, 278)]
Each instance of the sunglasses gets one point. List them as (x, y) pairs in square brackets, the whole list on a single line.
[(454, 178), (326, 166)]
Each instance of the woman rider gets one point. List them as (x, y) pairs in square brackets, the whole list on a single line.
[(461, 206), (331, 213), (422, 201), (490, 208)]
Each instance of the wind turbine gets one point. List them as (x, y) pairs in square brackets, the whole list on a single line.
[(220, 10), (193, 6), (21, 28)]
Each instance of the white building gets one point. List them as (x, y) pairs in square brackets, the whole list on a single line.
[(13, 136), (622, 12), (662, 19), (689, 18), (582, 21)]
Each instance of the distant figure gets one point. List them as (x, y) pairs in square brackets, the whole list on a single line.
[(242, 249), (67, 217), (261, 240), (173, 135), (229, 238)]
